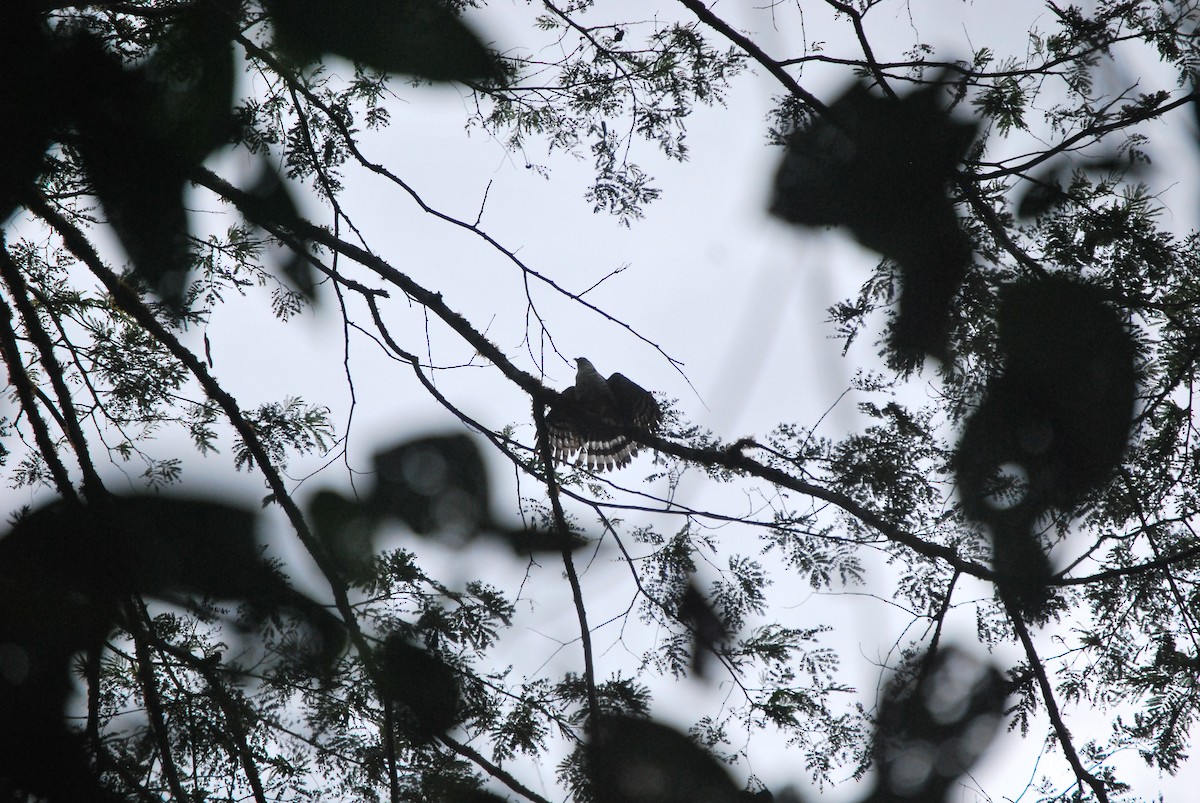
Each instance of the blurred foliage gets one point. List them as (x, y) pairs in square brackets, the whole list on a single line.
[(880, 167)]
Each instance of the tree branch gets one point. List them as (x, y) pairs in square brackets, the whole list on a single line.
[(856, 18), (233, 717), (92, 486), (128, 300), (1094, 132), (731, 459), (380, 170), (496, 772), (560, 524), (1056, 719), (757, 53), (734, 460), (25, 393), (154, 709)]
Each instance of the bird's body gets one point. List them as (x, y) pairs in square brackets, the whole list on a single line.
[(596, 419)]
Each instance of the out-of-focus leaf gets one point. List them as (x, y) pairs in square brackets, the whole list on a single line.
[(141, 130), (434, 485), (708, 631), (786, 795), (276, 205), (28, 104), (1058, 418), (1020, 561), (137, 173), (185, 545), (81, 560), (1063, 406), (880, 167), (56, 598), (65, 568), (461, 795), (1043, 194), (930, 732), (632, 760), (530, 540), (421, 683), (424, 38), (346, 529), (871, 163), (191, 72)]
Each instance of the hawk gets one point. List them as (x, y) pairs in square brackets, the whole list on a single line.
[(593, 419)]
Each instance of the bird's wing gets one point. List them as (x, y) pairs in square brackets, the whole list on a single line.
[(636, 405), (591, 424), (562, 425)]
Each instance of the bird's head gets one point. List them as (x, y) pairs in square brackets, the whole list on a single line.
[(585, 371)]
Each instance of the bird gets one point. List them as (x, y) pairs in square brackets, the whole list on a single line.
[(593, 418)]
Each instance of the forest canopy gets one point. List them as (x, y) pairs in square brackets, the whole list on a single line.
[(291, 304)]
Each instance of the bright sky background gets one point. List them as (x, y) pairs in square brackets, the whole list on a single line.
[(738, 298)]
